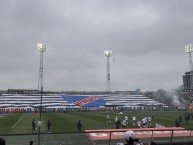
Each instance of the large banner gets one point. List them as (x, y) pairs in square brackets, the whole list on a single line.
[(85, 101)]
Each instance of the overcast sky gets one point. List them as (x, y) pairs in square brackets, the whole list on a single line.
[(147, 38)]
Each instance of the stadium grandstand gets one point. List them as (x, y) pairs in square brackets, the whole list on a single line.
[(20, 103), (28, 100), (132, 102)]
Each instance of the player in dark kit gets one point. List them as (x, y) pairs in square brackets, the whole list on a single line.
[(79, 126), (33, 126), (48, 125)]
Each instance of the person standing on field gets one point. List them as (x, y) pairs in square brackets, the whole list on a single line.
[(116, 118), (108, 119), (33, 126), (134, 120), (117, 124), (79, 126), (49, 125)]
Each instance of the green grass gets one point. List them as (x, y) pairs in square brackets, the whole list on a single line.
[(61, 122)]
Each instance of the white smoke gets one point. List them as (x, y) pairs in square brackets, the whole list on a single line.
[(175, 97)]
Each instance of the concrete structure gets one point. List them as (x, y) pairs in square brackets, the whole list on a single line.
[(188, 81)]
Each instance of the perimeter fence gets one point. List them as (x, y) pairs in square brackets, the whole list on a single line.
[(161, 137)]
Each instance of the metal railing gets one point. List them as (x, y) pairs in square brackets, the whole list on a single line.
[(114, 137)]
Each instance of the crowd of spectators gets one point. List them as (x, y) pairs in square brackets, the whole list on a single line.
[(186, 97)]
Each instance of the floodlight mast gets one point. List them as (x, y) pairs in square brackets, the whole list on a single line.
[(108, 54), (189, 50), (42, 49)]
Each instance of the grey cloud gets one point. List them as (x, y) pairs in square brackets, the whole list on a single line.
[(147, 39)]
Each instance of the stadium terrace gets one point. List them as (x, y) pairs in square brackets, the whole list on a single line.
[(56, 102)]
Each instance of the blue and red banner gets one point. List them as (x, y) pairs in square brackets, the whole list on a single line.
[(85, 101)]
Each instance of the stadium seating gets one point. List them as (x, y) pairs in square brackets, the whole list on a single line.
[(20, 103)]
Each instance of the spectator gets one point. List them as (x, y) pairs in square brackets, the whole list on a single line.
[(31, 143), (130, 137), (79, 126), (2, 141)]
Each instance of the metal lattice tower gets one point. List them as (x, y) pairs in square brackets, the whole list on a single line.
[(108, 53), (42, 49), (189, 49)]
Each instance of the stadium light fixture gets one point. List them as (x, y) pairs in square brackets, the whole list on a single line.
[(41, 47), (188, 48), (108, 53)]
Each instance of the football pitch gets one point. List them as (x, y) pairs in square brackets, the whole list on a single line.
[(16, 129), (67, 122)]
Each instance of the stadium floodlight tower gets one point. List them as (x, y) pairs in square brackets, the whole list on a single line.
[(42, 49), (189, 50), (108, 54)]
